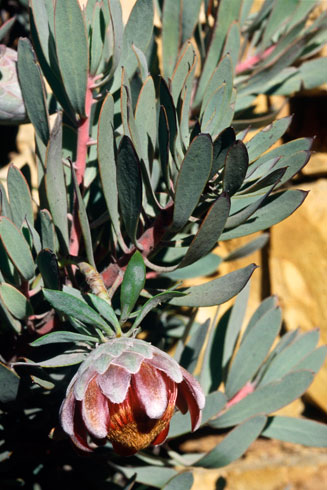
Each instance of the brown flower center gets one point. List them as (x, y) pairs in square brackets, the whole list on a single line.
[(134, 436), (130, 428)]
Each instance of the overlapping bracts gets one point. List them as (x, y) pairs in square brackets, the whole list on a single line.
[(127, 391)]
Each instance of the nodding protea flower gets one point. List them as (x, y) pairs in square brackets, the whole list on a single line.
[(126, 391)]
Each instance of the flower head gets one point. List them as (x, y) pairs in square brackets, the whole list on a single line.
[(126, 391)]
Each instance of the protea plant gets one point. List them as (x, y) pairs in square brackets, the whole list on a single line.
[(139, 178)]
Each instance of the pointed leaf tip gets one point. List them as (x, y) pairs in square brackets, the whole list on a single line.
[(218, 290)]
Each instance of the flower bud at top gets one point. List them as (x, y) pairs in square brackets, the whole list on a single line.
[(12, 109)]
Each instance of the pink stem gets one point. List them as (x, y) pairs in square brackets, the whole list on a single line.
[(247, 389), (80, 163), (83, 134), (149, 240), (253, 60)]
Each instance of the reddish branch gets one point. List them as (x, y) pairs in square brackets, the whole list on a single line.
[(253, 60), (83, 134), (148, 241), (247, 389)]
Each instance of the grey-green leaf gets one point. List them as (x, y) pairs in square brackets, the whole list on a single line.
[(43, 18), (142, 62), (266, 399), (288, 358), (8, 321), (277, 208), (267, 304), (192, 349), (63, 360), (146, 117), (248, 248), (17, 248), (132, 285), (63, 337), (104, 309), (190, 18), (55, 184), (97, 38), (129, 185), (223, 74), (144, 474), (236, 165), (5, 209), (227, 13), (9, 382), (192, 178), (313, 72), (19, 197), (232, 44), (48, 267), (47, 230), (36, 241), (68, 304), (205, 266), (42, 31), (181, 424), (33, 90), (72, 51), (209, 231), (153, 302), (6, 26), (285, 151), (7, 268), (253, 351), (183, 481), (166, 100), (171, 33), (138, 31), (182, 69), (16, 302), (263, 140), (234, 444), (293, 165), (83, 221), (314, 360), (106, 159), (217, 291), (296, 430), (221, 145), (281, 12), (234, 326), (262, 188)]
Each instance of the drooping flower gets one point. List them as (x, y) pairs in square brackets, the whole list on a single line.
[(126, 391)]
